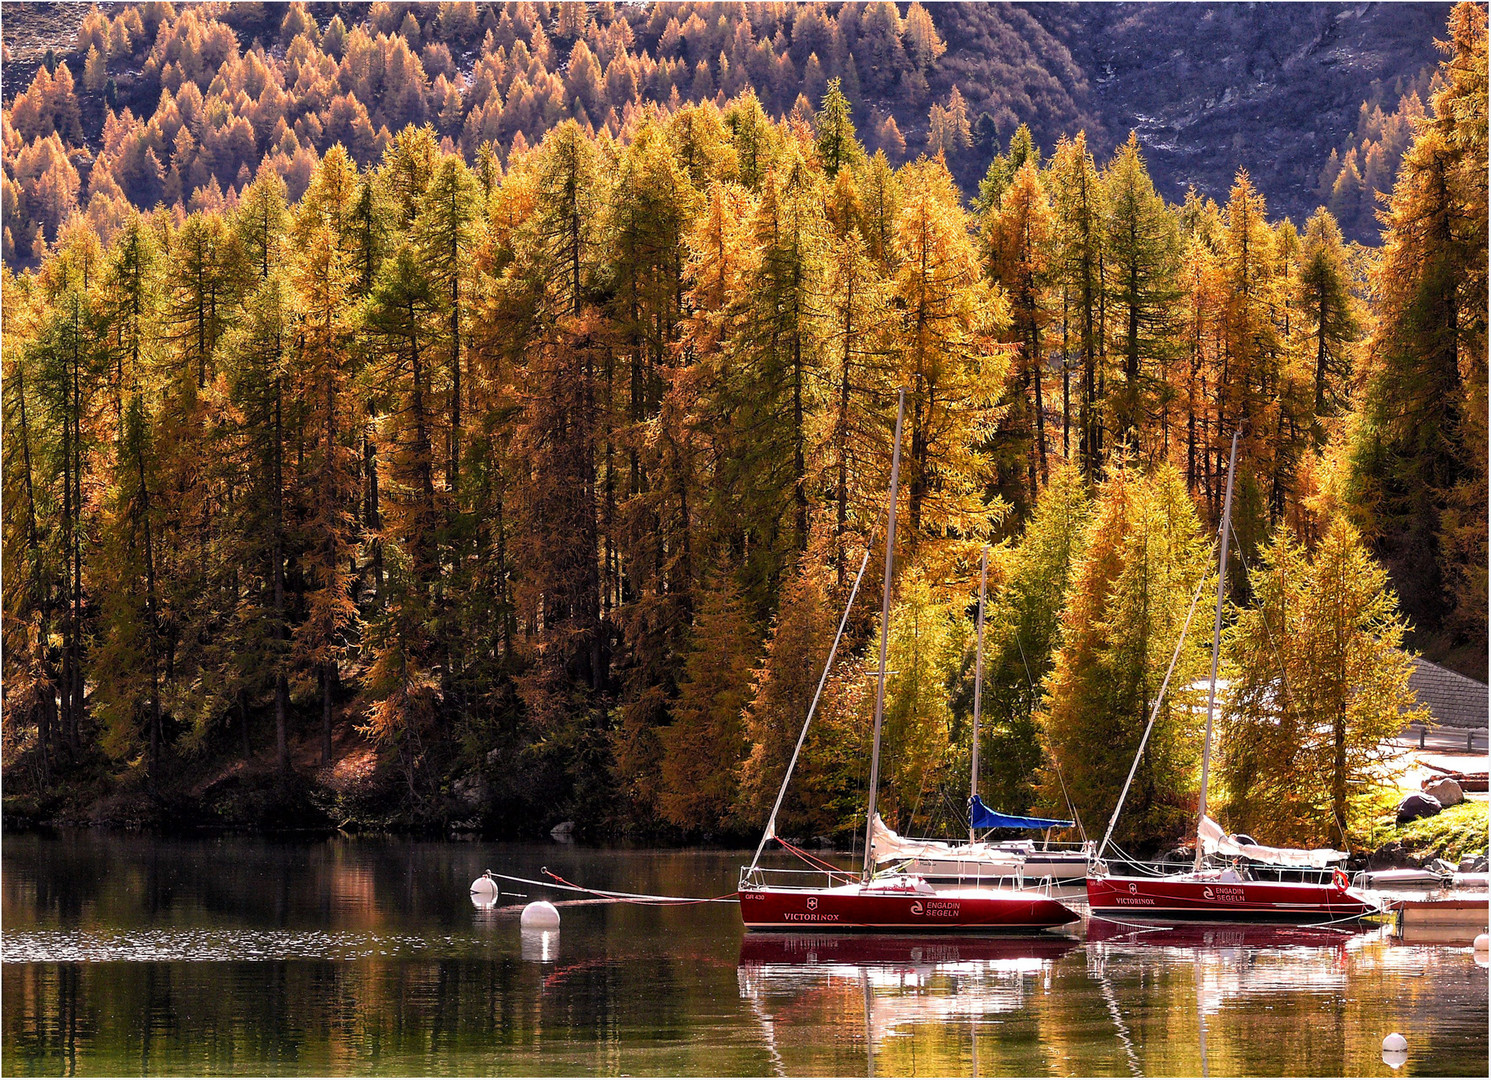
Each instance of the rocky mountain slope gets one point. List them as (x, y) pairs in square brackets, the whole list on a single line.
[(1214, 87)]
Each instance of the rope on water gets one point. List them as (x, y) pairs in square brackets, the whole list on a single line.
[(647, 899)]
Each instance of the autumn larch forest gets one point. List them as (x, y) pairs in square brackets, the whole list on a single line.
[(472, 418)]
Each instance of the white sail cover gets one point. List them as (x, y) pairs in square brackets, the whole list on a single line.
[(1216, 842), (890, 844)]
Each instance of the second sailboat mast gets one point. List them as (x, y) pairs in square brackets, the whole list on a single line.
[(890, 563), (978, 689), (1216, 644)]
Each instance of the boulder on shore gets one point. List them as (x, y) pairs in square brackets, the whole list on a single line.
[(1417, 806), (1445, 790), (1392, 856)]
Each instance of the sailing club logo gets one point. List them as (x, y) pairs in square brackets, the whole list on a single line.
[(812, 903), (916, 908), (1206, 892)]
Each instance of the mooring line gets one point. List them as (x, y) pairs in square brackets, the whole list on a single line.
[(619, 897)]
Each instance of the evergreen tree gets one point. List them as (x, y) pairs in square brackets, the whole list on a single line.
[(1319, 687), (854, 438), (927, 636), (796, 651), (1419, 452), (323, 276), (256, 359), (1324, 285), (1250, 366), (774, 358), (1143, 559), (837, 146), (705, 744), (1018, 239), (1022, 626), (1077, 194), (1142, 247), (445, 231), (947, 361)]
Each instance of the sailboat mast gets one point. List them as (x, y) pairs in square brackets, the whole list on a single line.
[(1216, 644), (890, 561), (978, 687)]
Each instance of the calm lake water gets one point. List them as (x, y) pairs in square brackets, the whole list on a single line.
[(128, 955)]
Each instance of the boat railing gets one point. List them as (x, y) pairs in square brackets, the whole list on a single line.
[(760, 877), (987, 881), (1252, 871), (1014, 845)]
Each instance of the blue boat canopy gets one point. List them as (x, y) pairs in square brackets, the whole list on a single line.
[(983, 818)]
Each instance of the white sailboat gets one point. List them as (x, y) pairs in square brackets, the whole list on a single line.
[(881, 902), (945, 864), (1287, 884)]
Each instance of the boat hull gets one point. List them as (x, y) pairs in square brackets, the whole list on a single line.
[(857, 908), (1185, 896)]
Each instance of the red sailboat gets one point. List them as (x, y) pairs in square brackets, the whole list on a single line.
[(894, 902), (1262, 883)]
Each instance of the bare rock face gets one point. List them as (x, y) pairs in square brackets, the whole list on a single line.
[(1417, 806), (1445, 791), (1211, 87)]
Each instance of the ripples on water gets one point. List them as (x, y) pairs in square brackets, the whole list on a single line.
[(129, 955), (218, 946)]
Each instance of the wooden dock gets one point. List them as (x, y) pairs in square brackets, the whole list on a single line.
[(1444, 920)]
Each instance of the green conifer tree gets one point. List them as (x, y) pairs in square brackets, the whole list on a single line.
[(1318, 686), (1144, 558)]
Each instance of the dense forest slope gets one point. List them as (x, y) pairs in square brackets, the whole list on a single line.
[(427, 455), (1207, 87)]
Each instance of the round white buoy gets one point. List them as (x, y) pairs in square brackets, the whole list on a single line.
[(1395, 1051), (485, 889), (540, 915), (1482, 942)]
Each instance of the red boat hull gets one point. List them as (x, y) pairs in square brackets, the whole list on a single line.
[(861, 909), (1188, 897)]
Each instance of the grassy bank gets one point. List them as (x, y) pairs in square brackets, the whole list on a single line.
[(1450, 835)]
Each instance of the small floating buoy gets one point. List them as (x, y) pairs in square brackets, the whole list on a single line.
[(484, 890), (540, 915), (1482, 943), (1395, 1051)]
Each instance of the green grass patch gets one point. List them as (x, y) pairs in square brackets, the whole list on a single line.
[(1450, 834)]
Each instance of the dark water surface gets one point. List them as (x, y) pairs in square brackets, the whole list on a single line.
[(126, 955)]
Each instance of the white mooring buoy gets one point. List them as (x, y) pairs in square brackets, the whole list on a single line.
[(1482, 943), (1395, 1051), (540, 915), (484, 890)]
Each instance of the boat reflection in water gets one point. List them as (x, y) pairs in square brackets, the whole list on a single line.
[(1231, 963), (902, 983), (908, 951), (1237, 959), (1220, 935)]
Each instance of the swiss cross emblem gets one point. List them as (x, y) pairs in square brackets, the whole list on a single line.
[(812, 903), (1133, 887)]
